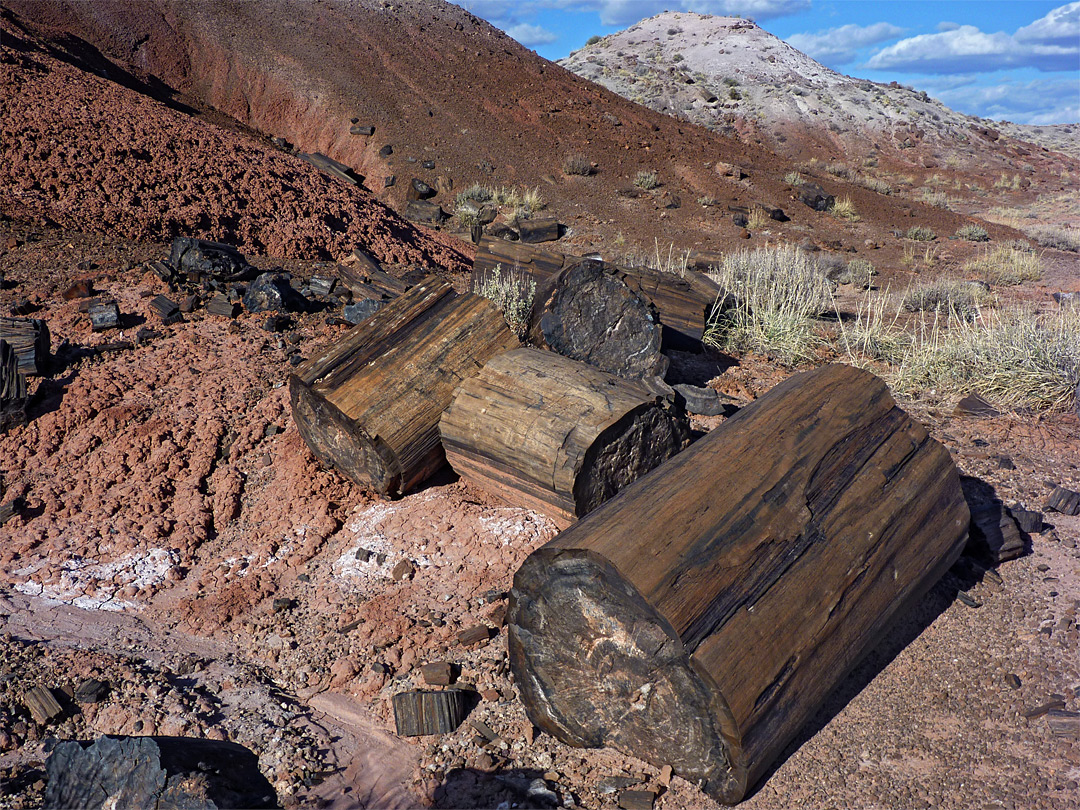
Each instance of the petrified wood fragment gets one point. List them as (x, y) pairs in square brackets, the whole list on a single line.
[(542, 431), (370, 403), (701, 616)]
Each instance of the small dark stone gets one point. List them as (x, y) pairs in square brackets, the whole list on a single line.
[(277, 323), (428, 164), (272, 291), (703, 401), (361, 130), (296, 359), (83, 288), (389, 181), (197, 260), (91, 690), (282, 604), (419, 190), (1029, 521), (1005, 463), (975, 405), (386, 151), (740, 219), (1012, 680)]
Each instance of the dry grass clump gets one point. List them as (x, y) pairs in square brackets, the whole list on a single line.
[(794, 179), (577, 164), (860, 273), (646, 180), (1007, 266), (874, 184), (841, 171), (1016, 358), (946, 296), (778, 293), (874, 333), (513, 293), (973, 233), (918, 233), (844, 208), (757, 220), (1056, 237)]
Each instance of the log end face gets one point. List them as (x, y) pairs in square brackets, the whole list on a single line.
[(595, 666), (340, 443)]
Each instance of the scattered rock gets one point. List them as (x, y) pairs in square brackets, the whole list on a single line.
[(272, 291), (198, 260), (703, 401), (42, 704), (1064, 501), (975, 405), (361, 130), (83, 288), (474, 635), (637, 799), (419, 190), (402, 571), (814, 196), (437, 673), (361, 310), (104, 315)]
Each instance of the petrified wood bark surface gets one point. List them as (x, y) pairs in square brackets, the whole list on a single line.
[(555, 435), (700, 617), (588, 313), (370, 403)]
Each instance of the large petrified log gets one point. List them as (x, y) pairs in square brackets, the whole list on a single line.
[(12, 389), (370, 403), (588, 313), (29, 337), (495, 257), (555, 435), (700, 617), (684, 302)]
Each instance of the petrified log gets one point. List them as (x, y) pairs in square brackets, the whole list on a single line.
[(29, 337), (684, 302), (418, 713), (495, 256), (104, 315), (370, 403), (588, 313), (701, 616), (12, 389), (197, 259), (545, 229), (542, 431), (424, 211)]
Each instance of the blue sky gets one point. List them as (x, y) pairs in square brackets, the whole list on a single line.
[(1016, 61)]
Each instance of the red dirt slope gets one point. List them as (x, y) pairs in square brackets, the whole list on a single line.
[(92, 155)]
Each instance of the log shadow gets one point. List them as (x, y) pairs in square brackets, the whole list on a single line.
[(48, 396), (968, 571), (697, 368), (476, 789)]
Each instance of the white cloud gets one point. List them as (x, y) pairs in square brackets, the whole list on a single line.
[(1051, 43), (531, 35), (838, 46), (947, 26), (1040, 101), (1061, 27)]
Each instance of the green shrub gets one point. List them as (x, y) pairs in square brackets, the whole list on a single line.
[(593, 39), (775, 296), (973, 233), (918, 233), (646, 180), (1007, 266), (577, 164)]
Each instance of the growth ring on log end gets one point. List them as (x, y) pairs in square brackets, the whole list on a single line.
[(700, 617)]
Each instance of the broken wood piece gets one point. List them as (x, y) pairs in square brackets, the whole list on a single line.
[(166, 309), (1055, 703), (331, 167), (637, 799), (420, 713), (684, 302), (29, 338), (530, 231), (437, 673), (367, 280), (1064, 501), (1063, 723), (13, 392), (587, 312), (425, 212), (551, 434), (223, 306), (42, 704), (704, 401), (700, 617), (1029, 521), (370, 403), (322, 285), (104, 315), (994, 534), (474, 635)]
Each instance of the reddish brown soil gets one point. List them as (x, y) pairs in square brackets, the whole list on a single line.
[(86, 153), (439, 84)]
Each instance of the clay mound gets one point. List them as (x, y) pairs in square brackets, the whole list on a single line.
[(733, 77), (458, 102), (91, 155)]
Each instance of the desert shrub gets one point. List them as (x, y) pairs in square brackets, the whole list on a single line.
[(646, 180), (840, 170), (1007, 266), (707, 201), (1004, 182), (731, 81), (475, 192), (844, 208), (777, 292), (577, 164), (464, 217), (859, 273), (875, 185), (945, 296), (973, 233), (593, 39), (794, 179), (1016, 358), (757, 220), (513, 293), (875, 333), (734, 94), (677, 57), (938, 199), (918, 233), (1056, 237)]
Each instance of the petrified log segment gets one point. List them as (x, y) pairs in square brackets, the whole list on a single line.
[(701, 616), (370, 404), (555, 435), (497, 256), (29, 337), (419, 713), (682, 301), (12, 389), (588, 313)]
